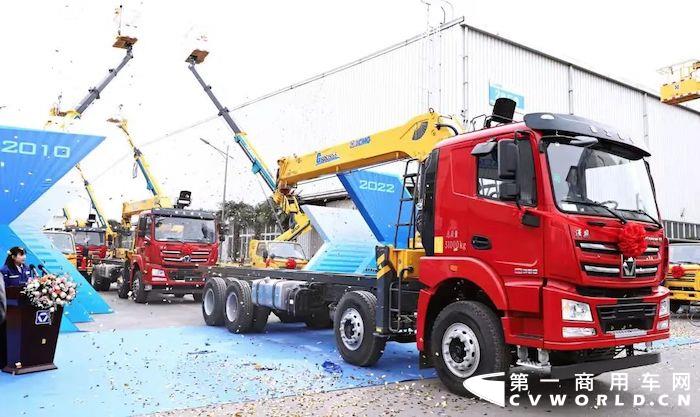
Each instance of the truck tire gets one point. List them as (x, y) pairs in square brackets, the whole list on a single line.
[(138, 292), (319, 320), (213, 303), (260, 316), (238, 307), (676, 306), (123, 288), (354, 329), (100, 284), (467, 339)]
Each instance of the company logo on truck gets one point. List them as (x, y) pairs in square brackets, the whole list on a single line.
[(359, 142), (322, 159)]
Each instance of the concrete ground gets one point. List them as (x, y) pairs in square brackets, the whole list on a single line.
[(427, 397)]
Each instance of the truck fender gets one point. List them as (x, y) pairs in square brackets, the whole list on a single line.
[(439, 271)]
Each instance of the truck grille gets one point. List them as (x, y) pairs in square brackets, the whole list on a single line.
[(607, 265), (621, 317), (196, 257)]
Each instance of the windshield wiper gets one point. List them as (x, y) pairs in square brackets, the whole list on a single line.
[(644, 213), (597, 204)]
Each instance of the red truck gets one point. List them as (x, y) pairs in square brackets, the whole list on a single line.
[(90, 247), (169, 246), (541, 247)]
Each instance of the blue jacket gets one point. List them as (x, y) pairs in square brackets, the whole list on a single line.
[(15, 277)]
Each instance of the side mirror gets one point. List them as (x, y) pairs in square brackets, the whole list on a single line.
[(507, 159), (141, 233), (509, 191), (265, 254)]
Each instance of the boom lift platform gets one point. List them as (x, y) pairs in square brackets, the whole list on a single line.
[(683, 82)]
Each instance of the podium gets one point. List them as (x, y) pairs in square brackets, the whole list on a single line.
[(29, 335)]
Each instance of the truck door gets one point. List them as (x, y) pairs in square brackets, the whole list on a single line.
[(144, 239), (506, 233)]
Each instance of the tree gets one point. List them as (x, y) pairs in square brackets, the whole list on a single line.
[(241, 217)]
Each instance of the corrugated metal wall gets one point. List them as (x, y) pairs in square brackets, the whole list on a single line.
[(451, 70)]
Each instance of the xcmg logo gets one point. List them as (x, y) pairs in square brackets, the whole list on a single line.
[(322, 159), (359, 142)]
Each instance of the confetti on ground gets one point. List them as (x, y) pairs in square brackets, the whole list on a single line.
[(144, 371)]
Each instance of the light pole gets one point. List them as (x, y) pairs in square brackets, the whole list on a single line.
[(223, 197)]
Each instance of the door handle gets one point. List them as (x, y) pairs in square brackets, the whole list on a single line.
[(481, 242)]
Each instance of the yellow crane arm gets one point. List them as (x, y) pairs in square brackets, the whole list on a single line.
[(151, 183), (412, 140), (101, 218)]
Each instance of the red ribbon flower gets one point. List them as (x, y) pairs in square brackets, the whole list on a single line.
[(632, 240), (677, 271)]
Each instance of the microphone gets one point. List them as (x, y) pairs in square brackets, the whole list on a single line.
[(43, 270)]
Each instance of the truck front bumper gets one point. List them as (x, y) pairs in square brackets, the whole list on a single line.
[(602, 366), (174, 281), (614, 321)]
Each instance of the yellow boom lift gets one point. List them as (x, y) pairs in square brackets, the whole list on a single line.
[(60, 117), (412, 140)]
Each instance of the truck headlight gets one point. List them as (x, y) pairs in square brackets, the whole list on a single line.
[(664, 307), (575, 311), (157, 272)]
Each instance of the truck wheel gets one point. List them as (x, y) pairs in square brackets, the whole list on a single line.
[(676, 306), (467, 339), (238, 307), (138, 292), (354, 329), (100, 284), (286, 317), (123, 288), (319, 320), (260, 316), (213, 303)]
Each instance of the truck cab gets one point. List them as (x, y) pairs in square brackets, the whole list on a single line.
[(170, 244), (683, 278), (551, 226), (91, 247), (276, 254), (63, 242)]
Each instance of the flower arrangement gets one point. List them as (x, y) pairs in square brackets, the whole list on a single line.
[(50, 291)]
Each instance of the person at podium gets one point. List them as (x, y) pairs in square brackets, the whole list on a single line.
[(15, 272)]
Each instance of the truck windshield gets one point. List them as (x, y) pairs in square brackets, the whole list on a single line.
[(91, 238), (63, 242), (684, 254), (285, 250), (184, 229), (593, 181)]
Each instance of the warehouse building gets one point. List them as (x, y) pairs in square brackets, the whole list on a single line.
[(460, 69)]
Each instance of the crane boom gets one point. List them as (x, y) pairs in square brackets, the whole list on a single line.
[(151, 183), (414, 139), (101, 218), (122, 42), (259, 166)]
